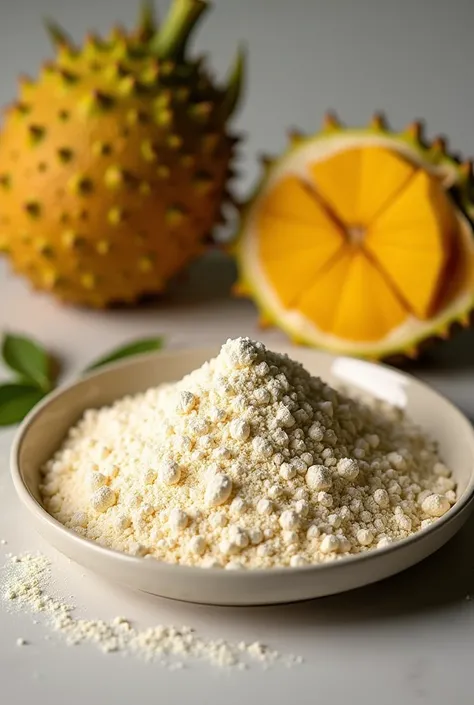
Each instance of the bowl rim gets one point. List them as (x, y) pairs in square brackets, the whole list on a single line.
[(464, 504)]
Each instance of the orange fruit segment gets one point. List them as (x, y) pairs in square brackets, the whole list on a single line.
[(358, 183), (410, 241), (293, 254), (368, 307), (351, 299), (292, 199), (320, 301)]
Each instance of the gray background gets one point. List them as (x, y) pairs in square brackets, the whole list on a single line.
[(411, 58)]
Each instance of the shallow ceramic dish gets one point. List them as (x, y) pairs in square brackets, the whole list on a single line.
[(43, 430)]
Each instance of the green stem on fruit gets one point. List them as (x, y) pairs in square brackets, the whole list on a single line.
[(233, 90), (170, 42)]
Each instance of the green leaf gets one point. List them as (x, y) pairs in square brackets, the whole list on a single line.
[(29, 360), (16, 400), (135, 348)]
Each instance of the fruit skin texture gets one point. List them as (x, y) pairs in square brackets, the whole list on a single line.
[(114, 163), (451, 304)]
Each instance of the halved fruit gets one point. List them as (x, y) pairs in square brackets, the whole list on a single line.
[(356, 242)]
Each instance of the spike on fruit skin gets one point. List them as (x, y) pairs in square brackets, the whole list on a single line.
[(174, 141), (465, 319), (114, 72), (36, 133), (103, 247), (411, 352), (127, 86), (57, 35), (50, 70), (144, 188), (94, 44), (96, 103), (150, 74), (266, 162), (114, 177), (241, 290), (51, 278), (100, 149), (79, 184), (209, 143), (233, 90), (148, 151), (21, 109), (331, 122), (175, 215), (132, 117), (445, 332), (415, 131), (88, 280), (203, 183), (115, 215), (438, 146), (27, 87), (33, 208), (164, 118), (65, 155), (201, 111), (68, 78), (164, 100), (5, 182), (163, 171), (264, 321), (71, 239), (295, 137), (379, 122), (44, 249), (465, 169), (145, 264)]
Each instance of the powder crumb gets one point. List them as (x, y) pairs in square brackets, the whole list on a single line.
[(3, 542), (25, 586), (21, 642), (247, 462)]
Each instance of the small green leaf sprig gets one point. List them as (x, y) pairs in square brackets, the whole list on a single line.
[(36, 372)]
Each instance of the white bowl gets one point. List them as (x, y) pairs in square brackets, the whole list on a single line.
[(43, 430)]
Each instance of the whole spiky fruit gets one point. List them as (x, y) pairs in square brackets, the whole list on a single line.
[(114, 162)]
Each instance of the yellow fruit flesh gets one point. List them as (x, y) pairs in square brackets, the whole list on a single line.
[(357, 183), (360, 247), (301, 248)]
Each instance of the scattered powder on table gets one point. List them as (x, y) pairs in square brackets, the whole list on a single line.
[(247, 462), (25, 585)]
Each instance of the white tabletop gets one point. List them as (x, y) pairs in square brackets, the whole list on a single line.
[(407, 640)]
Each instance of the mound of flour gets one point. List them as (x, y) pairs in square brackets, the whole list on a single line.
[(247, 462)]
